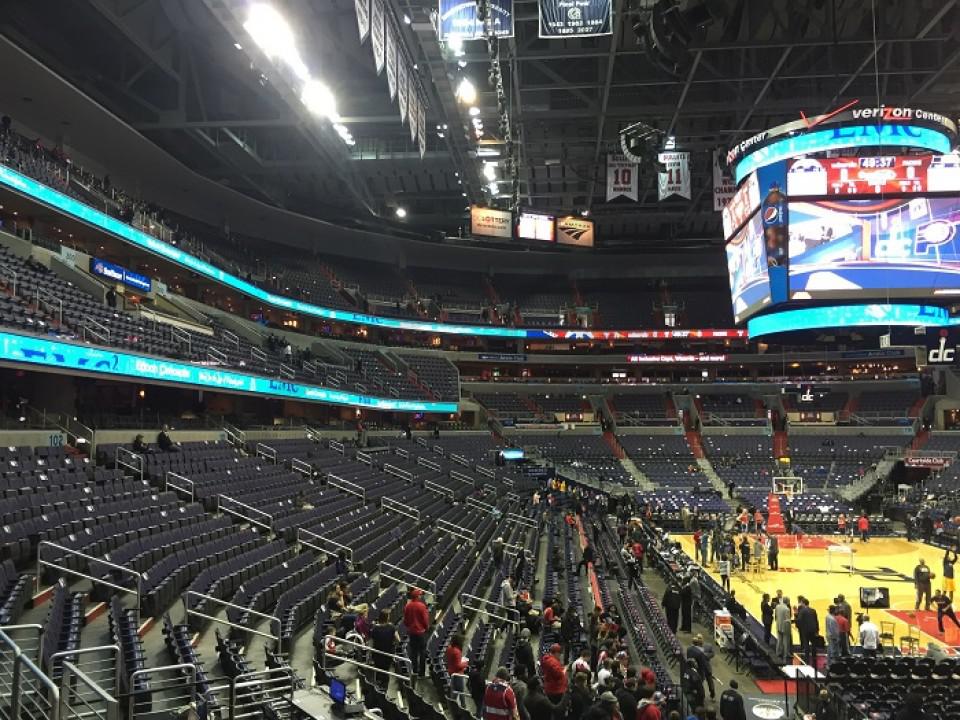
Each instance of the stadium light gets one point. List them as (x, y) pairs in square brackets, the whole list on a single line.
[(492, 187), (455, 43), (467, 93), (401, 212), (274, 36), (319, 100), (490, 171), (474, 111), (406, 19)]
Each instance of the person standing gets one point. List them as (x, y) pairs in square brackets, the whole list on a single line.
[(499, 700), (570, 631), (833, 634), (731, 703), (944, 609), (921, 581), (524, 662), (384, 640), (948, 571), (745, 553), (554, 674), (701, 656), (723, 567), (773, 553), (416, 618), (843, 607), (843, 631), (671, 607), (508, 598), (692, 684), (686, 607), (863, 527), (766, 617), (808, 628), (782, 618), (869, 637), (586, 560), (453, 657)]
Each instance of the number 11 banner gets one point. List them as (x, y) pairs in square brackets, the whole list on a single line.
[(621, 178), (675, 178)]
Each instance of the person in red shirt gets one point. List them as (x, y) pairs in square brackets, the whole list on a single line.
[(649, 706), (863, 527), (844, 631), (416, 618), (554, 674), (648, 678), (453, 656), (638, 555), (551, 615), (499, 701)]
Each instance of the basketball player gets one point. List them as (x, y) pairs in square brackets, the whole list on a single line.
[(948, 571), (944, 609), (842, 526)]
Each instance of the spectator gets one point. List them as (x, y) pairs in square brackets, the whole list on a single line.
[(863, 527), (766, 617), (921, 582), (453, 656), (139, 446), (111, 298), (416, 618), (582, 663), (773, 553), (701, 656), (686, 607), (627, 697), (782, 618), (731, 704), (832, 628), (586, 560), (671, 607), (554, 674), (570, 631), (581, 696), (649, 707), (362, 623), (163, 440), (869, 637), (384, 639), (808, 628), (524, 663), (538, 704), (508, 597), (692, 684), (499, 700), (944, 609), (843, 631), (606, 708)]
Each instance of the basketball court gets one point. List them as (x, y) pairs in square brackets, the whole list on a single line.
[(818, 570)]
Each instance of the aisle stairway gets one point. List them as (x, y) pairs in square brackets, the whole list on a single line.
[(774, 517), (643, 482)]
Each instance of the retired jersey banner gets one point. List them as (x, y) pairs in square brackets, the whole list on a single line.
[(414, 111), (422, 127), (723, 185), (575, 18), (391, 36), (377, 39), (675, 178), (621, 178), (458, 18), (363, 18), (574, 230), (403, 83)]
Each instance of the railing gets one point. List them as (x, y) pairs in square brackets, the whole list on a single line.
[(473, 502), (421, 441), (266, 452), (287, 372), (322, 543), (398, 507), (484, 606), (488, 489), (90, 685), (310, 367), (217, 356), (245, 512), (466, 479), (400, 452), (170, 691), (428, 464), (438, 488), (251, 692), (486, 472), (33, 695), (398, 472), (456, 531), (97, 330), (401, 662), (258, 355), (230, 338), (299, 466), (189, 611), (365, 458), (11, 275), (51, 303), (411, 579), (186, 487), (130, 460), (235, 436), (438, 449), (520, 520), (182, 337), (90, 560), (459, 459), (347, 486), (336, 446)]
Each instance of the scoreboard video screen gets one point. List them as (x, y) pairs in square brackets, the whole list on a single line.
[(534, 226), (856, 248), (747, 269), (875, 175)]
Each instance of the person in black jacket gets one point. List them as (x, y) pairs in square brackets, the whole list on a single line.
[(808, 628), (570, 631), (539, 706), (701, 656), (686, 607), (627, 697), (586, 559), (581, 696), (524, 664), (692, 684), (731, 704), (766, 617), (671, 607)]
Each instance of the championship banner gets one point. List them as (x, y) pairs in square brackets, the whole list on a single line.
[(403, 82), (573, 230), (723, 185), (458, 18), (391, 34), (414, 111), (675, 178), (422, 127), (621, 178), (487, 222), (363, 18), (575, 18), (377, 39)]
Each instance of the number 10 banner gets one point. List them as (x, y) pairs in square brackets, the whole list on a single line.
[(621, 178), (675, 178)]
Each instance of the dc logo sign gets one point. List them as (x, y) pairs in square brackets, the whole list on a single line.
[(943, 352)]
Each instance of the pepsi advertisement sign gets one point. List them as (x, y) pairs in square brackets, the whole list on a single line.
[(120, 274)]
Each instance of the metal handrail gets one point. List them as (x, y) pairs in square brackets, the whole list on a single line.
[(287, 372), (302, 467), (7, 271), (113, 669), (218, 356), (365, 458), (231, 338), (398, 472), (347, 486), (90, 559), (268, 526), (479, 604), (486, 472), (182, 336), (399, 660), (50, 302), (402, 575), (259, 682), (336, 446), (463, 478), (428, 464), (159, 699), (189, 612), (129, 464), (438, 488), (473, 502), (258, 354), (265, 451), (450, 528), (167, 485), (315, 538), (387, 503)]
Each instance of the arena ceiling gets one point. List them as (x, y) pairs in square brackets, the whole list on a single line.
[(172, 69)]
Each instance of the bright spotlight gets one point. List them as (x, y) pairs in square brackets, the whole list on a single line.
[(401, 212), (585, 213), (474, 111), (455, 43), (406, 19), (492, 187), (319, 100), (273, 35), (466, 92), (490, 171)]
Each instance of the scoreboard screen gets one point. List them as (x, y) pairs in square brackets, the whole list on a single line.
[(875, 175), (534, 226)]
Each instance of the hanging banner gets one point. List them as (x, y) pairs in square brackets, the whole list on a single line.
[(621, 177), (723, 185), (459, 18), (414, 112), (391, 33), (377, 39), (363, 18), (403, 81), (422, 127), (575, 18), (675, 178)]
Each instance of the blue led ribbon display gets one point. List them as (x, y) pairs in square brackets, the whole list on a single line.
[(849, 316), (46, 352)]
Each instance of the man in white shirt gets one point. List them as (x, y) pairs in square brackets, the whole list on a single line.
[(869, 637)]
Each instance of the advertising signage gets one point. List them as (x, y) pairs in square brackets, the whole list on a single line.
[(120, 274), (574, 230), (487, 222)]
